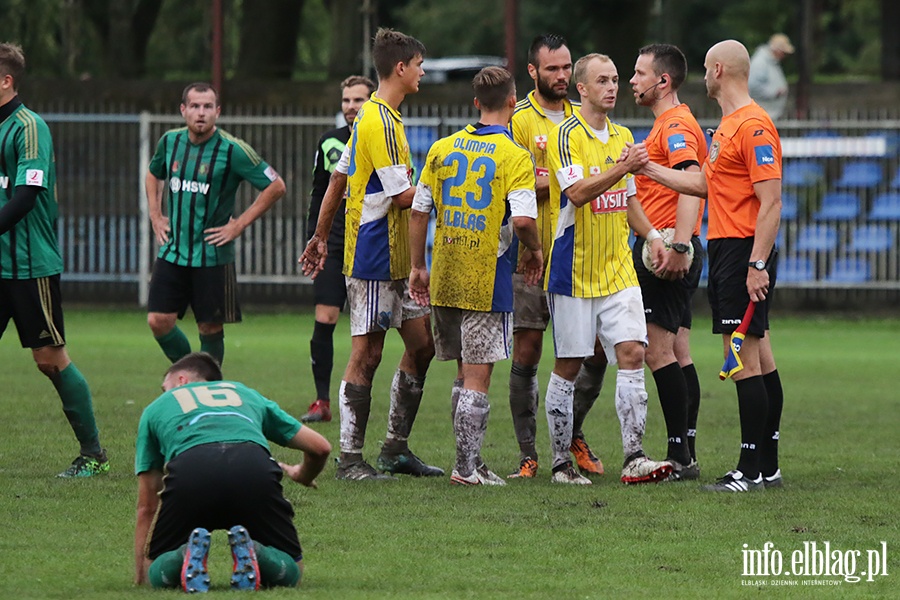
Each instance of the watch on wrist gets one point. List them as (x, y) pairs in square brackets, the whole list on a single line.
[(759, 265), (680, 247)]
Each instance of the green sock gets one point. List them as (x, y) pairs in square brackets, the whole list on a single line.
[(214, 344), (165, 571), (276, 567), (174, 344), (75, 394)]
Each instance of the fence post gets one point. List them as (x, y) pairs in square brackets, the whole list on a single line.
[(143, 211)]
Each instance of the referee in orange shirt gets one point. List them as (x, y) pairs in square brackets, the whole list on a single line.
[(742, 180), (676, 141)]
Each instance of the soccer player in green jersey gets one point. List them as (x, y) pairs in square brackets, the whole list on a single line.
[(203, 463), (30, 262), (204, 166)]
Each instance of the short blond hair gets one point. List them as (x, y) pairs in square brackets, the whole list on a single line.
[(580, 70)]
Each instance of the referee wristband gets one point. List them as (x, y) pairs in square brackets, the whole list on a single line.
[(652, 235)]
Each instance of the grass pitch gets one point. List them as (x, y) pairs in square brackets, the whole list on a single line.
[(840, 449)]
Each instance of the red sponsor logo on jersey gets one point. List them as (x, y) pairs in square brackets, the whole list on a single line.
[(541, 172), (540, 141), (610, 201)]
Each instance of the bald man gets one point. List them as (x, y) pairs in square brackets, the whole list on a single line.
[(741, 178)]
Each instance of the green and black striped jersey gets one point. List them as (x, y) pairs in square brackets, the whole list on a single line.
[(203, 180), (30, 249)]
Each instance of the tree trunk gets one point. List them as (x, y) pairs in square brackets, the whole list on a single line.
[(124, 29), (890, 41), (622, 41), (346, 39), (269, 39)]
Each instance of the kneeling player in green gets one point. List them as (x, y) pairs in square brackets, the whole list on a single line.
[(209, 438)]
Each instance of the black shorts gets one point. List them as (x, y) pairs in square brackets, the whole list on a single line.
[(35, 306), (330, 286), (211, 292), (668, 303), (218, 486), (728, 297)]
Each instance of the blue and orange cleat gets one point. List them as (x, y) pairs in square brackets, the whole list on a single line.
[(194, 576), (246, 568)]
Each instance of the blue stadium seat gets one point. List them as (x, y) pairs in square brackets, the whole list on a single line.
[(860, 174), (872, 238), (802, 173), (420, 138), (796, 269), (838, 207), (895, 182), (640, 133), (886, 207), (817, 238), (850, 270), (790, 206)]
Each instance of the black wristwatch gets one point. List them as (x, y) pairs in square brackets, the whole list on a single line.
[(759, 265), (680, 247)]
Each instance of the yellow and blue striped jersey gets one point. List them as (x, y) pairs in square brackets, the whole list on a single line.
[(531, 129), (590, 256), (376, 234), (471, 176)]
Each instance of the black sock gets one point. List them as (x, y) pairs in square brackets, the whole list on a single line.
[(693, 387), (752, 406), (214, 344), (588, 384), (768, 460), (673, 397), (523, 404), (321, 354)]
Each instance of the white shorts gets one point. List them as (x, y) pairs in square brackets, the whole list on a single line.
[(475, 337), (616, 318), (380, 305)]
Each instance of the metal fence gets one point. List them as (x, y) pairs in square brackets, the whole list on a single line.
[(840, 220)]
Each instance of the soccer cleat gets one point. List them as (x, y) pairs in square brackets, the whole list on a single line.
[(527, 469), (488, 477), (406, 463), (319, 411), (734, 481), (194, 576), (680, 472), (586, 460), (640, 469), (473, 479), (773, 481), (245, 575), (568, 474), (360, 471), (87, 466)]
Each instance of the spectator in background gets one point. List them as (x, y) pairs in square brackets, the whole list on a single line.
[(768, 85)]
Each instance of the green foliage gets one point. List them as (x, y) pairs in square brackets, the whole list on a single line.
[(60, 40), (426, 539)]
